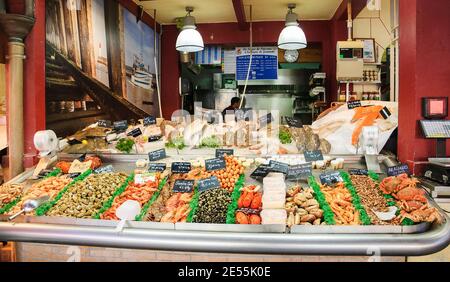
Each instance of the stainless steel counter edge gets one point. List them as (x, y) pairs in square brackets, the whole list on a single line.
[(429, 242)]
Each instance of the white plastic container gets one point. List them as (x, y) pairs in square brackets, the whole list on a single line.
[(273, 216), (273, 200)]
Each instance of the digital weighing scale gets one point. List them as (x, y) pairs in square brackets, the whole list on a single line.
[(435, 110)]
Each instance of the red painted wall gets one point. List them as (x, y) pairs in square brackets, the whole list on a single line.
[(325, 32), (34, 82), (424, 71)]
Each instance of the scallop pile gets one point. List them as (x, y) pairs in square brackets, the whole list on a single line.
[(302, 208)]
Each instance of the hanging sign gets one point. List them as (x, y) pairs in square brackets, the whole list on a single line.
[(264, 63)]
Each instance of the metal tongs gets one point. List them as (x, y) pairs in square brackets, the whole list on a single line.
[(30, 205)]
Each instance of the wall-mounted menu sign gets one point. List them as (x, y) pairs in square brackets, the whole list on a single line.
[(261, 171), (312, 156), (215, 164), (183, 186), (157, 167), (301, 171), (104, 169), (397, 170), (149, 120), (353, 104), (104, 123), (279, 167), (330, 178), (356, 171), (157, 155), (265, 120), (135, 132), (292, 122), (181, 167), (208, 183), (120, 126), (264, 63), (221, 152)]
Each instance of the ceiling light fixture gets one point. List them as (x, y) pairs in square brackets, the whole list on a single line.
[(189, 39), (292, 36)]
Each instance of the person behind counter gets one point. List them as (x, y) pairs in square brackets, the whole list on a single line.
[(231, 109)]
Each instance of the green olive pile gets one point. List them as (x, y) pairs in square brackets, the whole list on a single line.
[(212, 206), (86, 198)]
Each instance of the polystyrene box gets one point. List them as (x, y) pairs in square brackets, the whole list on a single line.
[(273, 216), (273, 200)]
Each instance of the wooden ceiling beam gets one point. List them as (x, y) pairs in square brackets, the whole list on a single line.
[(341, 12), (239, 11)]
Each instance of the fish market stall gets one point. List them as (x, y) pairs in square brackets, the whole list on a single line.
[(227, 204)]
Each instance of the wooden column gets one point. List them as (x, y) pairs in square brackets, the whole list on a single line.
[(112, 21), (15, 107)]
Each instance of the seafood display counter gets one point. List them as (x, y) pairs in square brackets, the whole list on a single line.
[(180, 211)]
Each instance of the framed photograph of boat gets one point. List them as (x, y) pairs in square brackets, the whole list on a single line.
[(369, 53)]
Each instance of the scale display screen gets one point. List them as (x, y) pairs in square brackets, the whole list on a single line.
[(436, 129)]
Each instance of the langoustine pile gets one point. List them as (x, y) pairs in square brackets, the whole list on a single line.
[(47, 187), (141, 193), (411, 200), (340, 201), (177, 207)]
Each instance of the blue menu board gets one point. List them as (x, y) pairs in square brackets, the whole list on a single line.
[(264, 63)]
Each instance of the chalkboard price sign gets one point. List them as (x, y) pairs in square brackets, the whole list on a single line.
[(120, 126), (135, 132), (104, 169), (312, 156), (150, 120), (265, 120), (221, 152), (157, 167), (154, 138), (279, 167), (261, 171), (301, 171), (208, 183), (330, 178), (353, 104), (157, 155), (397, 170), (183, 186), (292, 122), (104, 123), (181, 167), (215, 164), (355, 171)]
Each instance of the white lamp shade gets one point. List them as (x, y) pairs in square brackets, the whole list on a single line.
[(189, 40), (292, 37)]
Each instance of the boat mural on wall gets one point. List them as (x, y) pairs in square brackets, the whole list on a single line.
[(139, 63)]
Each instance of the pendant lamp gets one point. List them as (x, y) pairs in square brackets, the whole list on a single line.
[(292, 36), (189, 39)]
